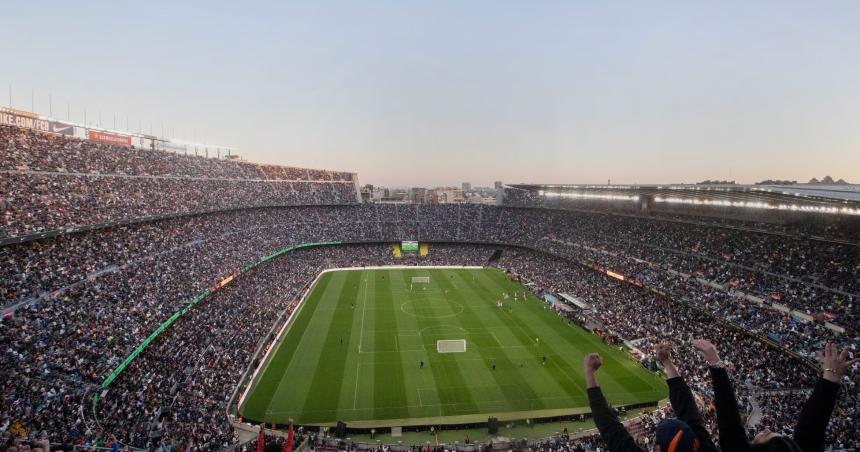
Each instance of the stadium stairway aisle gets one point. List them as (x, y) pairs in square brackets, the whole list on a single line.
[(494, 258), (755, 412)]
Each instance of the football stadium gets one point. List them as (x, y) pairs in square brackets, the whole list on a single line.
[(332, 281)]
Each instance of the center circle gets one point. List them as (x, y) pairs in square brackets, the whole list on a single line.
[(432, 308)]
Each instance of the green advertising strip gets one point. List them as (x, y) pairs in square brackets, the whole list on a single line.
[(164, 326)]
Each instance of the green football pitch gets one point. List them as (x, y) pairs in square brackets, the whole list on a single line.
[(354, 350)]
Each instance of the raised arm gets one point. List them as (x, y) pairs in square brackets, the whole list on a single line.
[(611, 429), (812, 423), (732, 434), (682, 398)]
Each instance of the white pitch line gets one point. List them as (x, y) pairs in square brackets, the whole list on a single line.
[(355, 398), (360, 338), (496, 339), (363, 313)]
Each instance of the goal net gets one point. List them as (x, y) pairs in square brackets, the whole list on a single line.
[(451, 346), (419, 280)]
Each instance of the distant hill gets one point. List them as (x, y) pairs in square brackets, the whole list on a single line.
[(827, 180)]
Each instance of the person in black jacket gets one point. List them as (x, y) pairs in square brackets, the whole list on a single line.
[(812, 423), (687, 433)]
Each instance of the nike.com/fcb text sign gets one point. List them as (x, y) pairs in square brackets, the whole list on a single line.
[(101, 137), (17, 119)]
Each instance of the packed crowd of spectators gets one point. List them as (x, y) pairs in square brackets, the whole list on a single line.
[(276, 443), (781, 410), (27, 150), (814, 277), (40, 268), (52, 182)]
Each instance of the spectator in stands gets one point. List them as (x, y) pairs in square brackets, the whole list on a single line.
[(811, 423), (687, 433)]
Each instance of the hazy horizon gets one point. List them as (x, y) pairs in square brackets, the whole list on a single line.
[(436, 94)]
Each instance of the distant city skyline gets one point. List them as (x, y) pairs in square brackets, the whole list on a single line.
[(440, 93)]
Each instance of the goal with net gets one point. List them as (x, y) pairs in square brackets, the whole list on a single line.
[(451, 346), (418, 281)]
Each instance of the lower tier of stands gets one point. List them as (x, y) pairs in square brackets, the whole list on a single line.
[(59, 349)]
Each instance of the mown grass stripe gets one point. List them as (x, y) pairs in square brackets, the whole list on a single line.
[(389, 392), (332, 356), (446, 370), (415, 378), (350, 386), (260, 397), (510, 372), (494, 390), (613, 380), (526, 328), (521, 317)]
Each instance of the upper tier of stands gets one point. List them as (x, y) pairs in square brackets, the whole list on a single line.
[(51, 182), (26, 150)]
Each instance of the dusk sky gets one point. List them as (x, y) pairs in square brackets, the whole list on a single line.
[(433, 93)]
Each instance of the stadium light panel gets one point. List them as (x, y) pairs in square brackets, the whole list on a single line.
[(758, 205), (590, 196)]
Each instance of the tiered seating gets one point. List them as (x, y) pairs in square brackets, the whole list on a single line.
[(52, 182)]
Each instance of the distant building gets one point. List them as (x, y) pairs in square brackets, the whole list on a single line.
[(480, 198), (366, 193), (450, 195), (467, 187), (498, 185), (398, 195), (379, 193), (419, 195)]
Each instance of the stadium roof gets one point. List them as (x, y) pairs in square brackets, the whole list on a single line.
[(801, 197)]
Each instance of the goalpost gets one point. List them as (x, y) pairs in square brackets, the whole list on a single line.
[(451, 346), (419, 280)]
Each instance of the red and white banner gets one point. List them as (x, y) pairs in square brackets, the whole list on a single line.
[(101, 137)]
